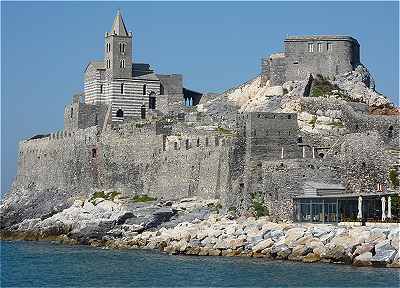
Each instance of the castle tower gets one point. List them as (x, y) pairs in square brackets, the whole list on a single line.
[(118, 50)]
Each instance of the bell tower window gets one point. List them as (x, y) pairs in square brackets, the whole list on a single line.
[(108, 47), (144, 89), (108, 63), (122, 88), (122, 63), (122, 47)]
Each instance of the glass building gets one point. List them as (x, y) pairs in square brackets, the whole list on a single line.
[(328, 203)]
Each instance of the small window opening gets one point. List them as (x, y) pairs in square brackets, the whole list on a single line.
[(175, 145), (152, 101), (161, 89), (329, 46), (108, 47), (108, 63), (289, 116), (120, 113), (390, 131), (310, 47), (299, 139), (122, 63), (198, 142), (122, 88), (122, 47), (101, 89), (143, 112), (94, 153), (206, 142), (187, 144), (363, 164), (321, 155), (144, 89), (72, 112)]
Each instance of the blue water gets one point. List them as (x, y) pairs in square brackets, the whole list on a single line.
[(34, 264)]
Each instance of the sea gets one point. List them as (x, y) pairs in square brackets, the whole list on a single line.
[(46, 264)]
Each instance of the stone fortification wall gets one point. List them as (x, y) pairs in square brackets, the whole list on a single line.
[(304, 55), (171, 93), (364, 162), (268, 133), (78, 115), (273, 69), (132, 159), (355, 122), (285, 179), (325, 55)]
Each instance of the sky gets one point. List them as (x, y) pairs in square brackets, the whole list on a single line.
[(45, 47)]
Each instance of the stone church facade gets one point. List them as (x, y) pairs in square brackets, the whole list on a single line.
[(131, 89)]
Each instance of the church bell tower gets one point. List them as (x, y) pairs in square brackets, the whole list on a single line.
[(118, 50)]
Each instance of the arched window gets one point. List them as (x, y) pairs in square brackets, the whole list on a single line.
[(144, 89), (122, 47), (152, 100), (120, 113), (108, 47), (101, 88), (143, 112), (108, 64), (122, 88), (122, 63), (72, 112)]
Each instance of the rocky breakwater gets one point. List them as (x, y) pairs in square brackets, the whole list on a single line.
[(195, 227), (221, 236)]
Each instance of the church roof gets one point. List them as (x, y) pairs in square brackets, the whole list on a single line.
[(118, 27), (97, 65)]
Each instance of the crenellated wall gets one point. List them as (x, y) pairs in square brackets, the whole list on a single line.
[(132, 159)]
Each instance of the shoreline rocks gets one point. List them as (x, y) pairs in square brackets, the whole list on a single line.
[(175, 229)]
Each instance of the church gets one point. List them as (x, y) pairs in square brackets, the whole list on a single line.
[(117, 89)]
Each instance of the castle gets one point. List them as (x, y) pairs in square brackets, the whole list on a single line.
[(137, 132), (325, 55)]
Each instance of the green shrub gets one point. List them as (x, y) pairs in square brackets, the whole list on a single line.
[(224, 130), (142, 198), (337, 124), (394, 178), (313, 121), (214, 208), (101, 194), (395, 206), (258, 205), (322, 87)]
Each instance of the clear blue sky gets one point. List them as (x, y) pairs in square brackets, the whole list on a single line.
[(46, 45)]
